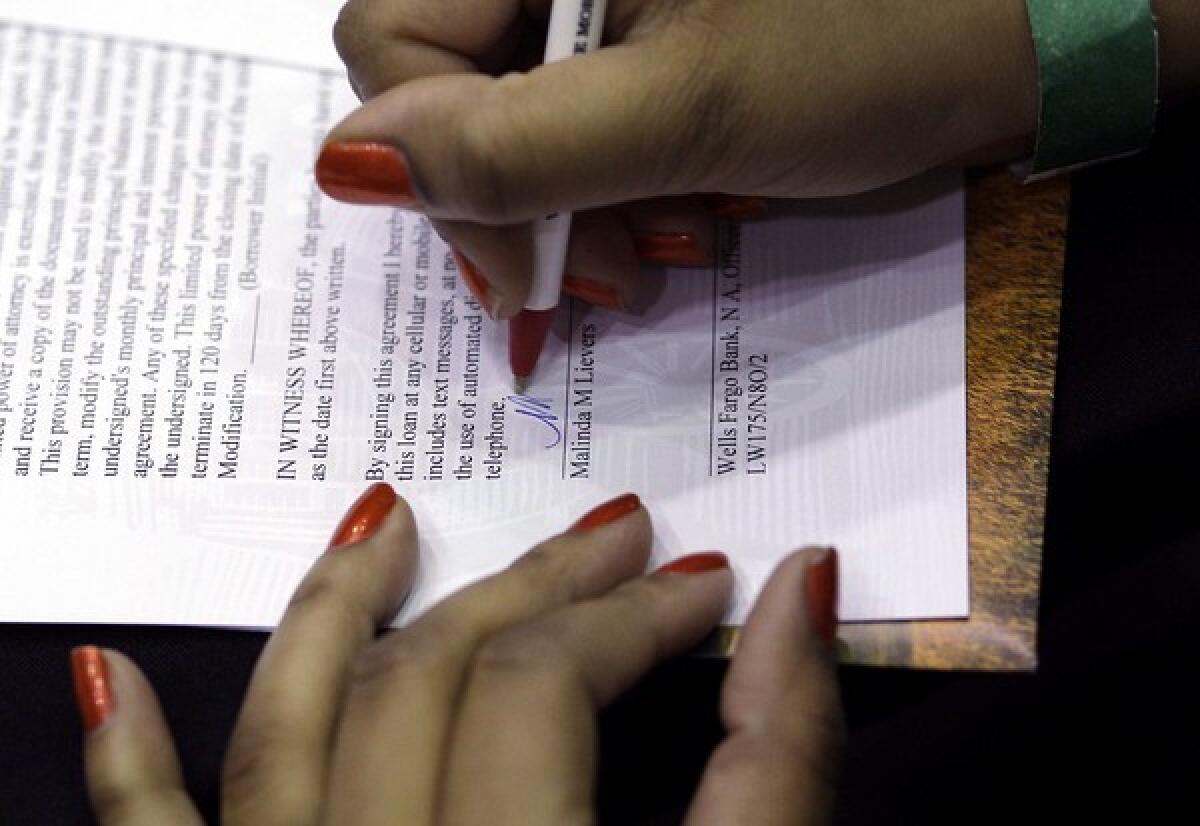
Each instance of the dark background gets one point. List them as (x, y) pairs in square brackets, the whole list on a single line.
[(1109, 722)]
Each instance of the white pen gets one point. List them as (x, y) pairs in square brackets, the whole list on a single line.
[(575, 28)]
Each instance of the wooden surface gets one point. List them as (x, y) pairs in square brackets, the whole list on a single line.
[(1015, 242)]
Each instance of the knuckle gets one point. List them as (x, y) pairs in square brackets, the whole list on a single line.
[(249, 777), (546, 571), (646, 589), (539, 565), (707, 107), (491, 145), (735, 754), (641, 596), (644, 598), (112, 799), (397, 658), (814, 719), (352, 33), (241, 774), (323, 592), (766, 752), (248, 761), (313, 591), (526, 651)]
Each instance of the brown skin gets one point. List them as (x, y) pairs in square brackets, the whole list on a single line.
[(484, 710), (770, 97), (764, 97)]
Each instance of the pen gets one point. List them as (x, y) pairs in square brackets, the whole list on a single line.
[(575, 28)]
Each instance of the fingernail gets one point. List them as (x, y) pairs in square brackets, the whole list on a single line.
[(700, 563), (365, 173), (679, 249), (736, 207), (476, 283), (820, 594), (609, 512), (93, 691), (593, 292), (365, 516)]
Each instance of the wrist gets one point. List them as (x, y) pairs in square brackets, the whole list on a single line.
[(999, 77)]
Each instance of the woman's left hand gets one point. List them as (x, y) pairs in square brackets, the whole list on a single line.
[(484, 709)]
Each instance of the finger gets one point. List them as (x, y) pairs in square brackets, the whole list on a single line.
[(406, 686), (602, 267), (604, 260), (546, 680), (387, 42), (674, 232), (277, 761), (133, 775), (495, 262), (681, 231), (608, 246), (780, 706), (570, 135), (735, 207)]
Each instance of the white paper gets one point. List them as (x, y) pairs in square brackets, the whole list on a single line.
[(186, 407)]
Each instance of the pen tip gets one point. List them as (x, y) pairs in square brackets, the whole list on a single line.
[(520, 383)]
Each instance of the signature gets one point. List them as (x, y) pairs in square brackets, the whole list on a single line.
[(540, 410)]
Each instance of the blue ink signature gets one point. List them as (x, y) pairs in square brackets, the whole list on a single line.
[(540, 410)]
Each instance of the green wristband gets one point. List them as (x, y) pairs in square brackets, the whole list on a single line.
[(1098, 72)]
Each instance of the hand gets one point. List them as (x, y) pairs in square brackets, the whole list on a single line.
[(484, 709), (763, 98)]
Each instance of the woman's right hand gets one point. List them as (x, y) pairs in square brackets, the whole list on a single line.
[(789, 98)]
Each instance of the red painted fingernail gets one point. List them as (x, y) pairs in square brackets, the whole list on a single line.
[(365, 173), (700, 563), (593, 292), (679, 249), (93, 690), (365, 516), (820, 594), (736, 207), (609, 512)]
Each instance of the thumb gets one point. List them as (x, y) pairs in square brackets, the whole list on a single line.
[(615, 125), (133, 774), (781, 707)]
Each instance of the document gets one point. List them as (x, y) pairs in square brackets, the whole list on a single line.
[(203, 361)]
